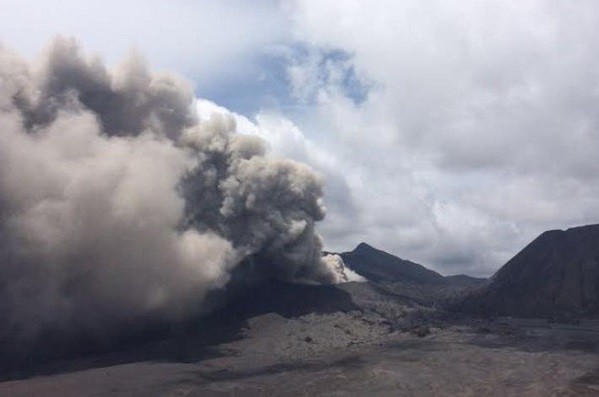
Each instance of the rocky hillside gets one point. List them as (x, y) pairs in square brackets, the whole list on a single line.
[(380, 266), (557, 274), (377, 265), (408, 279)]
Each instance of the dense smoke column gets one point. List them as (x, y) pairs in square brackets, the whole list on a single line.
[(265, 206), (127, 101), (118, 208)]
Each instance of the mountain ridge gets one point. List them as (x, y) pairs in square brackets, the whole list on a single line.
[(555, 274), (378, 265)]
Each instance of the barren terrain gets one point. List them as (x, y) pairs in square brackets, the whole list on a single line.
[(383, 345)]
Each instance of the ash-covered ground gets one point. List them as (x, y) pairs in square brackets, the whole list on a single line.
[(349, 339)]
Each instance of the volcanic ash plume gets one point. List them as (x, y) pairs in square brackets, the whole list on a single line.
[(343, 274), (117, 205)]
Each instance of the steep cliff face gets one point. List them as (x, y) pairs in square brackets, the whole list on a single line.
[(558, 273)]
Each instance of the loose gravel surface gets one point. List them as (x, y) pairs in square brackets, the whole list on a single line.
[(370, 351)]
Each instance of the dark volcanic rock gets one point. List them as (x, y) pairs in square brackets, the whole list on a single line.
[(556, 274), (178, 341), (408, 279), (465, 280), (288, 300), (377, 265)]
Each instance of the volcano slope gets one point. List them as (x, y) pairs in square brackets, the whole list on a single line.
[(556, 275), (409, 279), (345, 339)]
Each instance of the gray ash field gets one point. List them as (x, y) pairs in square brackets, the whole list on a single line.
[(363, 341)]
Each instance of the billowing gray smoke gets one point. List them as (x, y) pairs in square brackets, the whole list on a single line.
[(116, 204)]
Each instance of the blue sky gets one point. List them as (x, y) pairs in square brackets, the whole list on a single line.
[(437, 125), (265, 85)]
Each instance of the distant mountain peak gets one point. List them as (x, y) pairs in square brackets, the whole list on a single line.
[(378, 265), (364, 247), (558, 272), (584, 228), (572, 230)]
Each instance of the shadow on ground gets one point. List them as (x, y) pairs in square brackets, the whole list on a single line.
[(181, 342)]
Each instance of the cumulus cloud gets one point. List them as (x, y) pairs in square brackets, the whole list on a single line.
[(453, 148), (118, 207)]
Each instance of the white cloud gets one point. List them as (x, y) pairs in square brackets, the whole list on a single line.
[(480, 127)]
